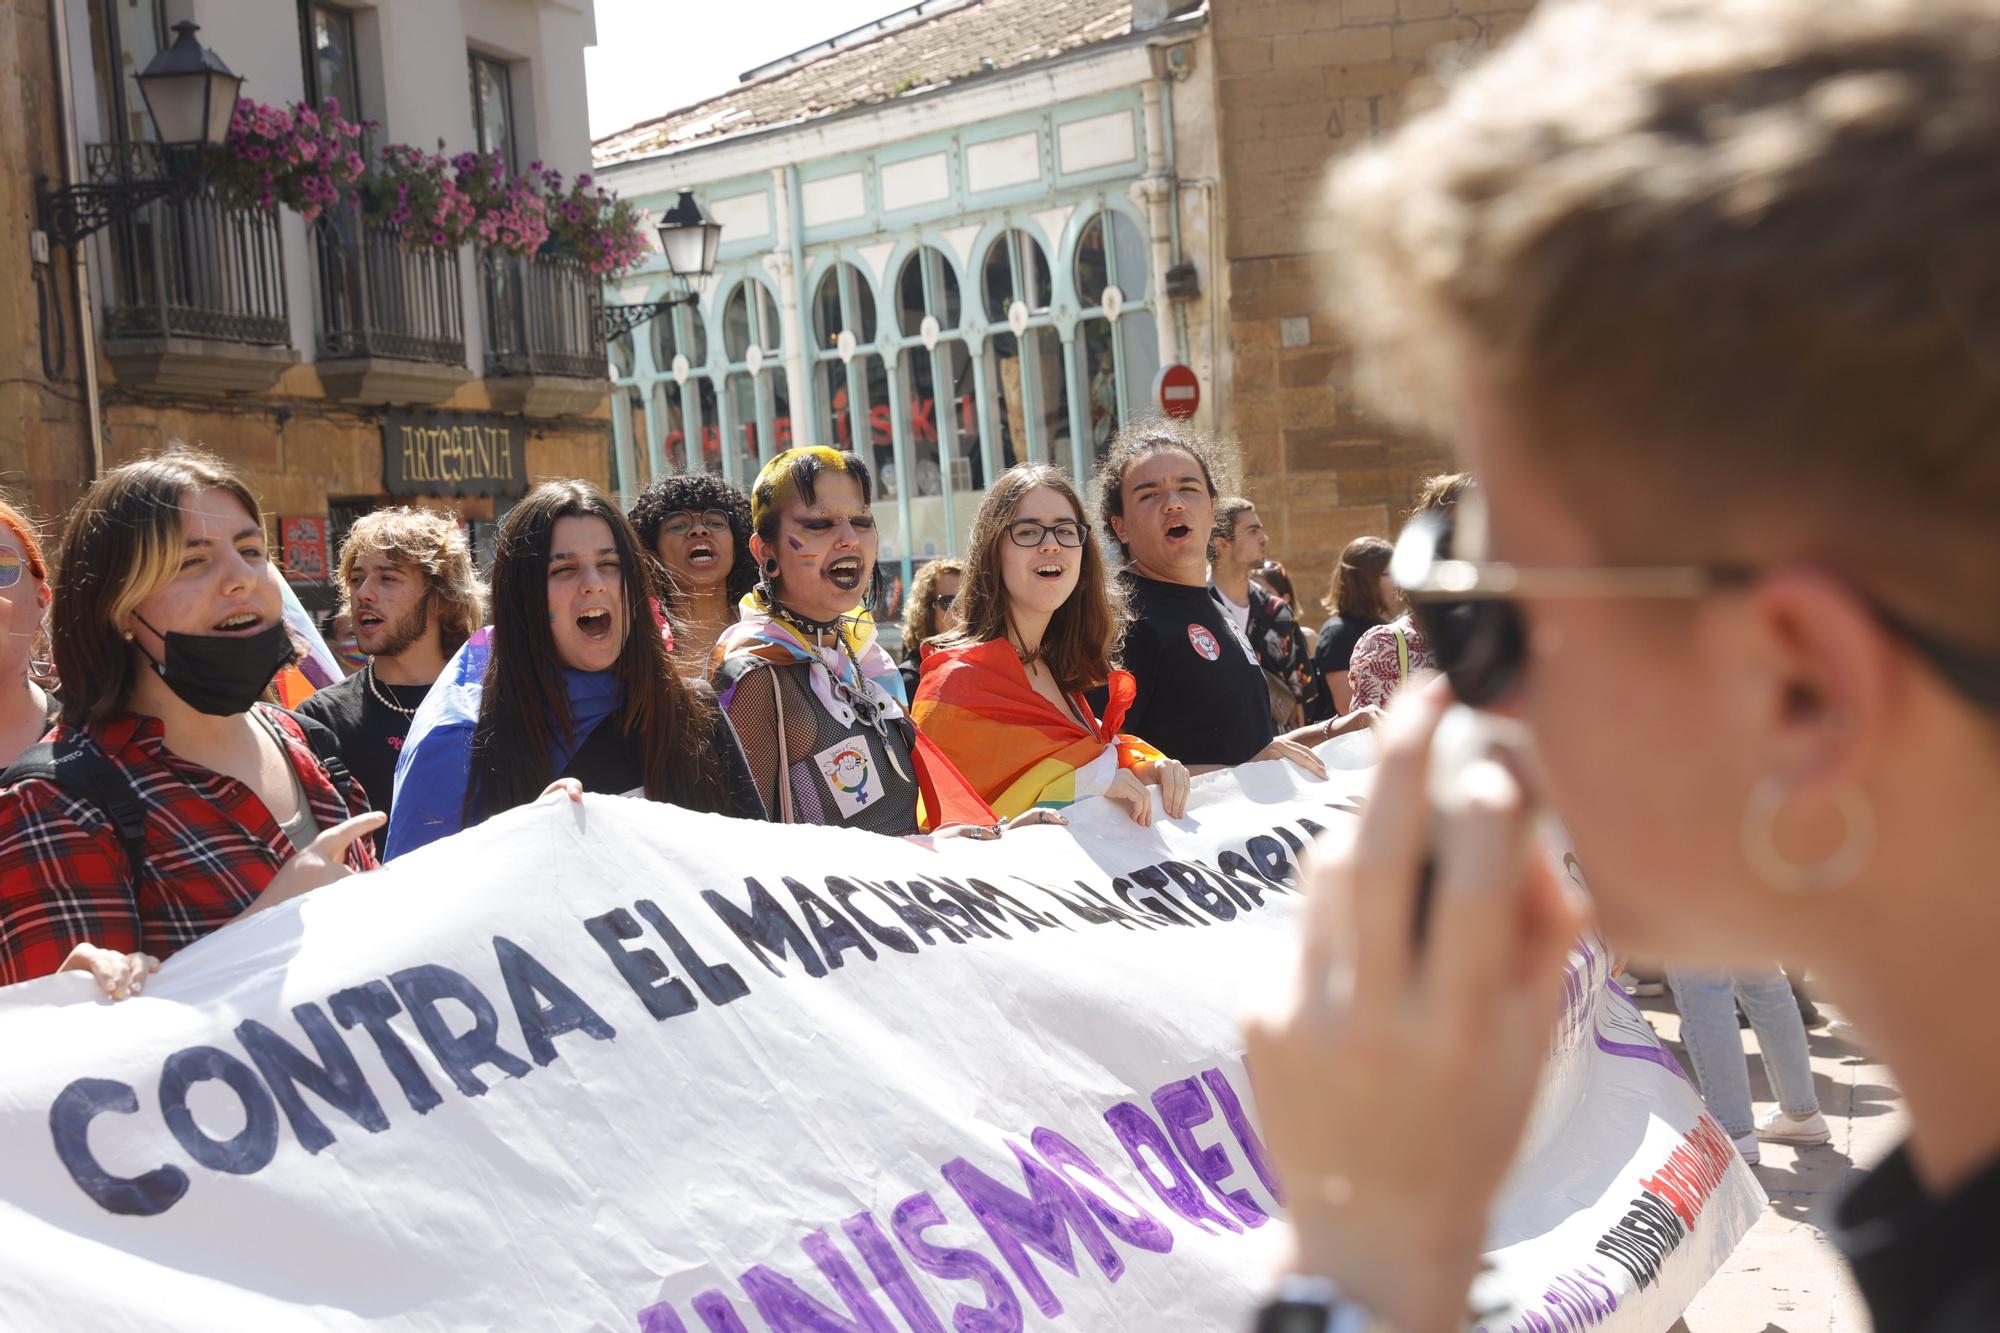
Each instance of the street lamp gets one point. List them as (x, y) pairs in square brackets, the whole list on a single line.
[(190, 95), (689, 241)]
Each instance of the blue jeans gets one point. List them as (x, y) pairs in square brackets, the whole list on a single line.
[(1715, 1043)]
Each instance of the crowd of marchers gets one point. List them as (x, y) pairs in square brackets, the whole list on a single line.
[(708, 649)]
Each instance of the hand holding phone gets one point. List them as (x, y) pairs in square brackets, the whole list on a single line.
[(1394, 1084)]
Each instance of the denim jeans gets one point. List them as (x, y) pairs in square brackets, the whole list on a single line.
[(1715, 1043)]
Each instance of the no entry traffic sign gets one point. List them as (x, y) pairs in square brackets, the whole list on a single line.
[(1177, 391)]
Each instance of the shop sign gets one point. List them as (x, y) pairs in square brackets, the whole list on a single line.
[(302, 538), (453, 453)]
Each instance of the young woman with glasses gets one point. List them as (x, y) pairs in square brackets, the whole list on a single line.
[(932, 611), (698, 527), (1004, 695)]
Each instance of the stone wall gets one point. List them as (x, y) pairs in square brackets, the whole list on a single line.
[(44, 446), (1299, 81)]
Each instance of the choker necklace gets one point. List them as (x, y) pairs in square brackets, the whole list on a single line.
[(382, 696), (803, 623)]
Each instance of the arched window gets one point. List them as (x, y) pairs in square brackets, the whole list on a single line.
[(939, 388), (686, 421), (1117, 341), (1024, 363), (755, 401), (851, 388)]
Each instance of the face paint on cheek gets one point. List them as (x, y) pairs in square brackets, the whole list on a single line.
[(797, 545)]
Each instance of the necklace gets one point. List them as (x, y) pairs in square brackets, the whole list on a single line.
[(382, 696)]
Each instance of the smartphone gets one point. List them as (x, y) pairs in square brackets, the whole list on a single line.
[(1464, 737)]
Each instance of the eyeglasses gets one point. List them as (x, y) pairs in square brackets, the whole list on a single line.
[(1470, 610), (1067, 532), (945, 599), (12, 565), (680, 524)]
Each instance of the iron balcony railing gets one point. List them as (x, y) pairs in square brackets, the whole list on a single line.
[(544, 316), (190, 266), (376, 298)]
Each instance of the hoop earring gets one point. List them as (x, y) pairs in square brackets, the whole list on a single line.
[(1760, 847)]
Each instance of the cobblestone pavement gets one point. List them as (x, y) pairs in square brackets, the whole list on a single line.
[(1785, 1276)]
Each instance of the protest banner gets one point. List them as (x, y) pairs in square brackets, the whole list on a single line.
[(623, 1066)]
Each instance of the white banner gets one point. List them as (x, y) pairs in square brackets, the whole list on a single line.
[(626, 1067)]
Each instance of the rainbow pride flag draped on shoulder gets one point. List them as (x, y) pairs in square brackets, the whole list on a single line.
[(1015, 746)]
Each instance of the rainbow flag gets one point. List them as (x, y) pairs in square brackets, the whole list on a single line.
[(1017, 748)]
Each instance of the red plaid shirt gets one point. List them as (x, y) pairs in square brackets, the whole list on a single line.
[(210, 846)]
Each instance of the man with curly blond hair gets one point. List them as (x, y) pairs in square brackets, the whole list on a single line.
[(407, 584)]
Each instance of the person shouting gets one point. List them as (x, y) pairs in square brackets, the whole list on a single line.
[(1200, 694), (408, 589), (698, 527), (575, 686), (813, 695)]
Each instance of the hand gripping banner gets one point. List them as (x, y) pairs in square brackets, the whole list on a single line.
[(622, 1066)]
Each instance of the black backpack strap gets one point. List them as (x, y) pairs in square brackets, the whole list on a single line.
[(326, 748), (81, 769)]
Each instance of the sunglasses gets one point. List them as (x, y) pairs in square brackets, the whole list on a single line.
[(1470, 611), (945, 599)]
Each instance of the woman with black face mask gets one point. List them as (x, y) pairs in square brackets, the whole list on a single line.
[(168, 801)]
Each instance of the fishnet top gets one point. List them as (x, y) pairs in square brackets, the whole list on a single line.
[(814, 740)]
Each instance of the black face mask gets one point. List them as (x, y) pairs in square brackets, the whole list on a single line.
[(221, 674)]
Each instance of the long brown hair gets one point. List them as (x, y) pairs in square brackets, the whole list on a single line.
[(1356, 591), (525, 703), (123, 544), (1084, 632)]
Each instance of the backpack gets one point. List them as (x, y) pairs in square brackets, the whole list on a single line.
[(75, 764)]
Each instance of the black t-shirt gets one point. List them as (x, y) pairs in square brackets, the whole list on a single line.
[(370, 733), (1202, 697), (1924, 1264), (1332, 652)]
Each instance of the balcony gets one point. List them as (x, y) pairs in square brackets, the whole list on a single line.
[(391, 319), (197, 299), (544, 334)]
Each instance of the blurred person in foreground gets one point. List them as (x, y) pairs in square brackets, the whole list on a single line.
[(1684, 500)]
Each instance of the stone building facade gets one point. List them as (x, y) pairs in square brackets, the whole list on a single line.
[(298, 351), (1297, 82), (44, 432)]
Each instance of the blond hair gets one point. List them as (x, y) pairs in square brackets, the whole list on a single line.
[(1726, 266), (430, 543)]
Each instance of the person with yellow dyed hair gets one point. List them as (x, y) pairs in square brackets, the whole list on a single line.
[(1003, 696), (814, 697)]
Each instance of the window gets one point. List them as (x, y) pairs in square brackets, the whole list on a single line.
[(685, 417), (756, 401), (1117, 341), (853, 385), (628, 426), (331, 70), (493, 107), (1024, 369), (942, 428), (125, 35)]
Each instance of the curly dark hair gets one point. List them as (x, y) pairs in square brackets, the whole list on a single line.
[(1140, 440), (694, 492)]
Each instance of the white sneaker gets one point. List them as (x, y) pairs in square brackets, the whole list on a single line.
[(1806, 1131), (1747, 1149)]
